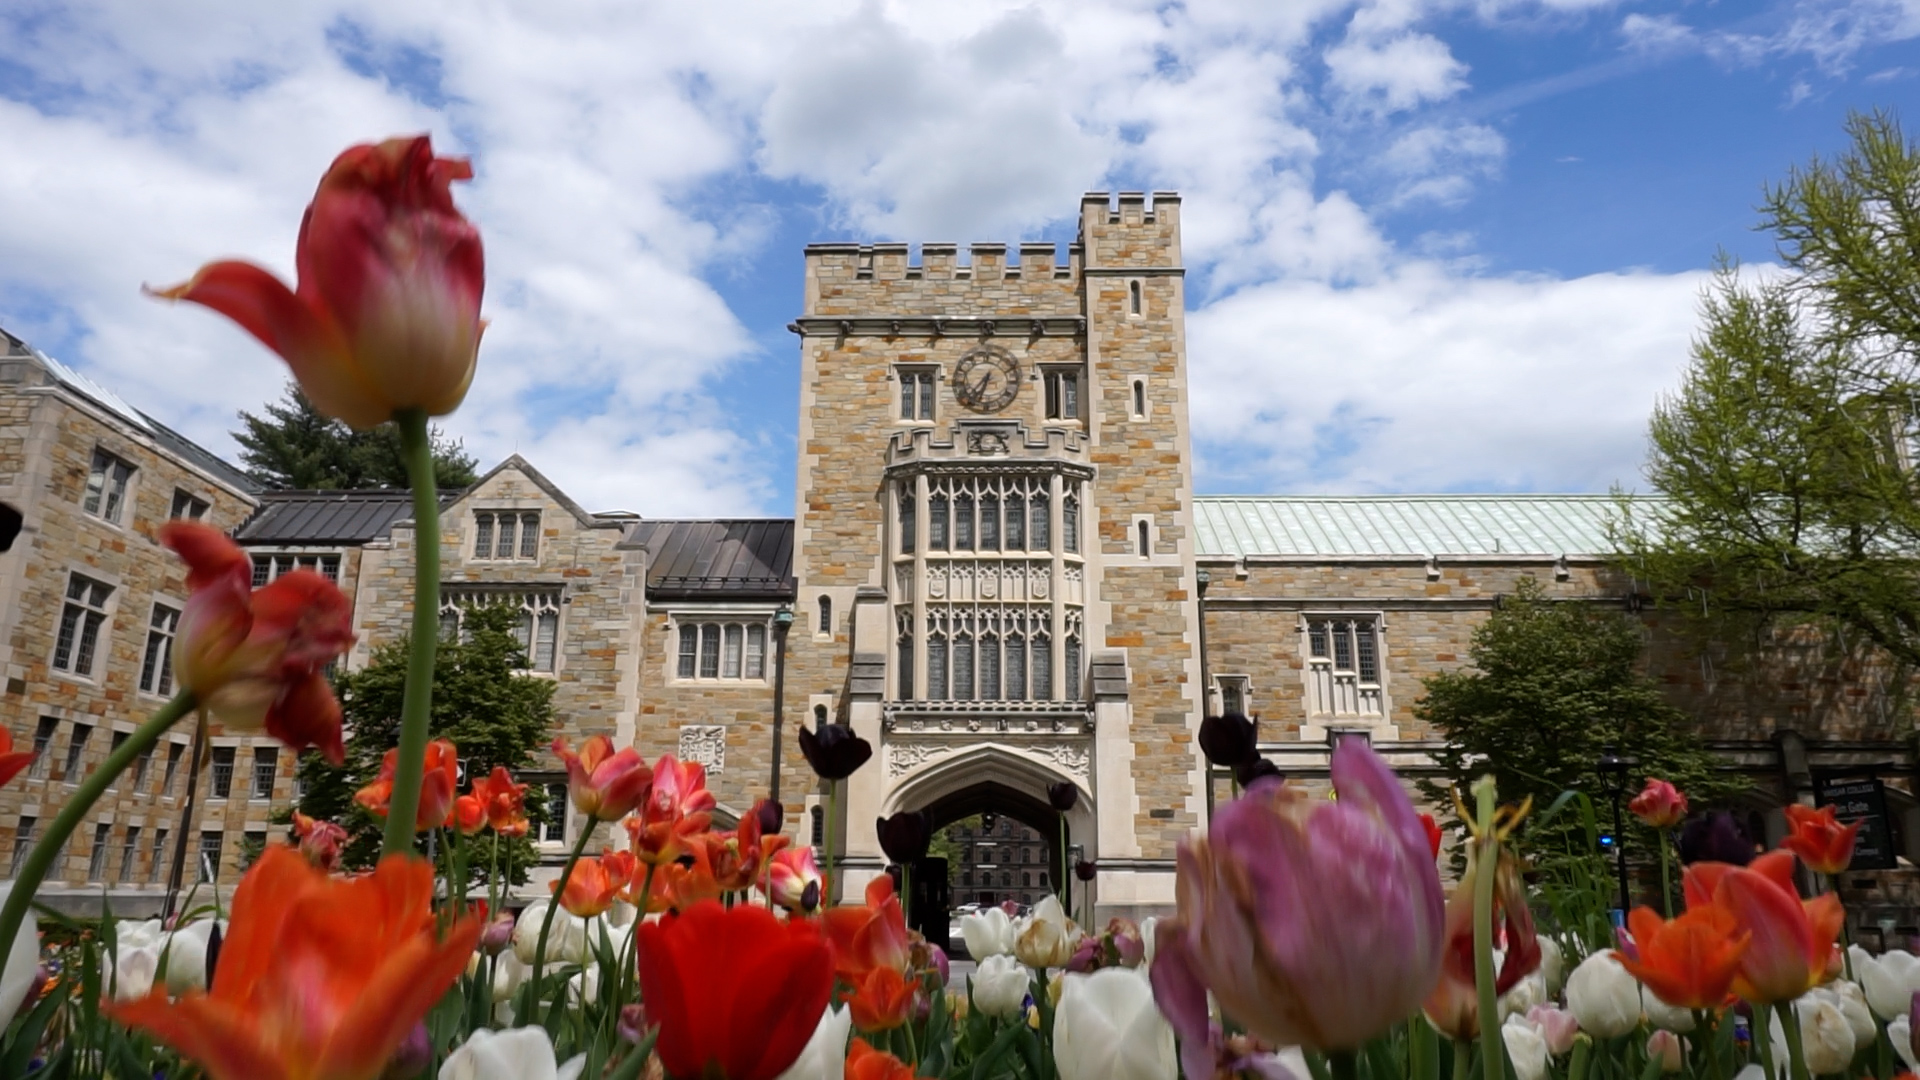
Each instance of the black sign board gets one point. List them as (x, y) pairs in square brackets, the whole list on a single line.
[(1857, 798)]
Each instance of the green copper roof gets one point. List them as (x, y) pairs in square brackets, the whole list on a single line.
[(1233, 526)]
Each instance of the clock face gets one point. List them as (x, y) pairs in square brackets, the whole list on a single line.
[(986, 379)]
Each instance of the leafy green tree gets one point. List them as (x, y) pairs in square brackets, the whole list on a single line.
[(1787, 456), (494, 713), (294, 446), (1553, 684)]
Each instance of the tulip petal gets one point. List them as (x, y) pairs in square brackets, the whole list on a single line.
[(1181, 995)]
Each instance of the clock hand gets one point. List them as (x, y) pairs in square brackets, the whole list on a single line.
[(980, 388)]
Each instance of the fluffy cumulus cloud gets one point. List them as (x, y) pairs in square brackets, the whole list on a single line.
[(625, 155)]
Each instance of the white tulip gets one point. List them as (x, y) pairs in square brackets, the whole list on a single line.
[(1106, 1027), (1147, 926), (825, 1055), (566, 941), (1890, 979), (1852, 1002), (1900, 1034), (1527, 1047), (589, 978), (1826, 1039), (1046, 938), (1553, 965), (185, 955), (987, 933), (1603, 996), (1751, 1072), (521, 1054), (131, 972), (508, 974), (1664, 1016), (23, 962), (1000, 986), (139, 933), (1531, 990)]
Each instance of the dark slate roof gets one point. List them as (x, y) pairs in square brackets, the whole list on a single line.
[(199, 455), (726, 559), (325, 517)]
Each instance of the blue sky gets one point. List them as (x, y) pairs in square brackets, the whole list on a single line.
[(1433, 244)]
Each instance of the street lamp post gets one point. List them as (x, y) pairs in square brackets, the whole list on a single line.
[(1615, 768), (782, 622)]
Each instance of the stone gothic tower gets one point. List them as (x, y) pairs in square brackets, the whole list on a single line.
[(994, 553)]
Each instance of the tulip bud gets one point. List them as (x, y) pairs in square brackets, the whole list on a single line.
[(1660, 805), (772, 816), (1085, 871), (940, 964), (1666, 1048), (1063, 795), (1604, 997), (632, 1025), (498, 935)]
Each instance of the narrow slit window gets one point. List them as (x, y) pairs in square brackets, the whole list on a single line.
[(503, 547), (482, 537), (1133, 297), (1016, 522), (546, 640), (1139, 398), (1070, 524), (1016, 668), (529, 536), (1040, 516), (730, 667), (937, 523), (904, 661), (710, 651), (937, 668), (1072, 662), (1366, 661), (756, 665), (907, 522), (826, 615), (1141, 547), (1342, 646), (963, 667), (989, 668), (990, 523), (1042, 668)]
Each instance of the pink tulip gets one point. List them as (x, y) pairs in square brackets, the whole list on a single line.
[(1557, 1026), (1313, 923), (605, 784), (386, 314), (1660, 805)]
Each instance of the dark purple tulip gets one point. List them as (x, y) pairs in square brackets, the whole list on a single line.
[(1229, 741), (834, 751), (214, 938), (1259, 768), (772, 816), (1063, 795), (905, 836), (411, 1057), (1715, 837), (1085, 870)]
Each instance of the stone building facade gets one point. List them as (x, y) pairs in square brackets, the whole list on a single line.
[(997, 572), (90, 602)]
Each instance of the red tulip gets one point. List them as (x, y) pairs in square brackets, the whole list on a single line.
[(255, 658), (442, 773), (320, 978), (1660, 805), (10, 762), (603, 784), (870, 936), (386, 314), (1817, 836), (505, 802), (882, 1001), (737, 992), (469, 814), (866, 1063), (320, 841), (1433, 833), (1790, 943), (678, 806)]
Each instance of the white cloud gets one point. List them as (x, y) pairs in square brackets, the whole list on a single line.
[(1396, 74), (151, 140)]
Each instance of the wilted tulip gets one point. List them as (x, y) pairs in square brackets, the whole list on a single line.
[(520, 1054), (834, 751), (322, 842), (439, 777), (1604, 996), (1063, 795), (1453, 1006), (386, 312), (1046, 938), (1229, 741), (1817, 836), (988, 932), (256, 658), (905, 836), (605, 785), (1106, 1027), (1000, 985), (1288, 904), (1526, 1048), (1660, 805), (1715, 837)]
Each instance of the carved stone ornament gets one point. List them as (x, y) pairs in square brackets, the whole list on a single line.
[(903, 758), (986, 444), (706, 744)]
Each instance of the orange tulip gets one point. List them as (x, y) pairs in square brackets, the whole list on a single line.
[(1791, 943), (1660, 805), (319, 978), (870, 936), (866, 1063), (603, 784), (10, 762), (882, 1001), (255, 658), (442, 774), (469, 815), (386, 314), (1817, 836), (320, 841), (677, 807), (591, 888), (506, 802), (1689, 962)]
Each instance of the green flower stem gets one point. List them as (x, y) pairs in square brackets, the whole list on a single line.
[(1762, 1040), (417, 450), (1462, 1059), (40, 859), (546, 924), (1582, 1057), (832, 880), (1066, 863), (1790, 1023), (1666, 873), (1492, 1067), (1344, 1064)]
